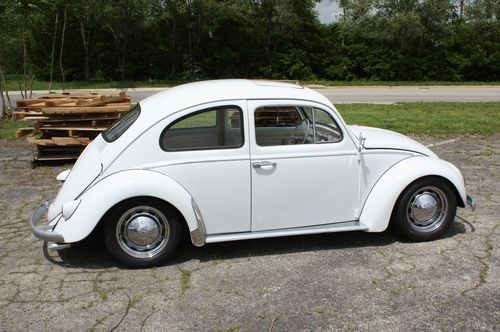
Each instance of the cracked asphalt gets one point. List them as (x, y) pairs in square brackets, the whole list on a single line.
[(339, 282)]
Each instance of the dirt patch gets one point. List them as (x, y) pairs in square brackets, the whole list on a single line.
[(345, 281)]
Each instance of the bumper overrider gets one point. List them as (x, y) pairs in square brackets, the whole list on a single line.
[(471, 202), (44, 232)]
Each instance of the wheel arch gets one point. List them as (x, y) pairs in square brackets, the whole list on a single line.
[(99, 200), (379, 205), (161, 201)]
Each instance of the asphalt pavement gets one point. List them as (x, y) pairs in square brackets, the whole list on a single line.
[(343, 95)]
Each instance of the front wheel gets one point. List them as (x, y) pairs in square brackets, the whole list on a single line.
[(142, 232), (425, 209)]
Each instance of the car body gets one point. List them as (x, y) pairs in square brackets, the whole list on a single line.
[(239, 159)]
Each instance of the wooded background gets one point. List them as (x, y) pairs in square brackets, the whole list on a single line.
[(277, 39)]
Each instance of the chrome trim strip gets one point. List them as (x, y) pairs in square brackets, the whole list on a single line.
[(471, 202), (43, 232), (327, 228), (198, 235), (57, 246)]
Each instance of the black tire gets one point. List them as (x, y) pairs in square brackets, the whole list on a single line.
[(142, 232), (425, 209)]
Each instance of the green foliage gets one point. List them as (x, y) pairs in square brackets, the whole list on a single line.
[(382, 40), (8, 128)]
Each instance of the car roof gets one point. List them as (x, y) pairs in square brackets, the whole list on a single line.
[(162, 104), (188, 95)]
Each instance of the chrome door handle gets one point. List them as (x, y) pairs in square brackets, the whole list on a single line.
[(265, 165)]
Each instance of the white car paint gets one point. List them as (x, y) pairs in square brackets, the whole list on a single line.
[(377, 138), (113, 189), (304, 189), (300, 188), (377, 209)]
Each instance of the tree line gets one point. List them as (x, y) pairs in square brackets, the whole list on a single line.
[(448, 40)]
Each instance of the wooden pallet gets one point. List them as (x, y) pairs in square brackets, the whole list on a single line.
[(63, 124), (68, 97)]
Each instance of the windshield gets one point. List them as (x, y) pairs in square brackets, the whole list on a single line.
[(121, 126)]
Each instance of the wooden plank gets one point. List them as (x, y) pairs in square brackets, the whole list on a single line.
[(112, 117), (68, 128), (56, 102), (24, 131), (103, 100), (23, 114), (73, 110), (57, 158), (66, 96), (127, 103), (33, 118), (18, 115), (35, 140), (63, 141), (27, 102), (71, 140), (39, 104), (58, 150)]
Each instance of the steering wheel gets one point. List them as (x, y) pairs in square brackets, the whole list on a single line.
[(293, 137)]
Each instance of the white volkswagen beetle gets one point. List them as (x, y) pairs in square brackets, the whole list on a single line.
[(238, 159)]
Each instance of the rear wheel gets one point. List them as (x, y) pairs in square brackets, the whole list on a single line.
[(425, 209), (142, 232)]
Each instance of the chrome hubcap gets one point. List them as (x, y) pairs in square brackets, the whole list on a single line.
[(142, 231), (427, 209), (424, 207)]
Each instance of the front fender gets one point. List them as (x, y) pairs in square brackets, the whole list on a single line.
[(377, 210), (115, 188)]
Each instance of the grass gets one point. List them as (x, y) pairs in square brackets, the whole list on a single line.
[(185, 277), (8, 128), (433, 119), (13, 84)]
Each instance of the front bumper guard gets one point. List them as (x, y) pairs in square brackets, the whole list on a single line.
[(471, 202), (44, 232)]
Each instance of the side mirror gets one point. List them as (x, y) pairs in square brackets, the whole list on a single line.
[(361, 142)]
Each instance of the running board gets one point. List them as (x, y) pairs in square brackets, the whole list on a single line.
[(328, 228)]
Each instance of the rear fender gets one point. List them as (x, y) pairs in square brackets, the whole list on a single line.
[(377, 210), (113, 189)]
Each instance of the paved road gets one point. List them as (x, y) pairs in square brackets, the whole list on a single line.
[(411, 94), (330, 282), (384, 95)]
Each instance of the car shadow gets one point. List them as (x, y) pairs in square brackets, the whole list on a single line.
[(92, 253)]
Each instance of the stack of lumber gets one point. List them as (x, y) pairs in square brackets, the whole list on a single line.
[(63, 124)]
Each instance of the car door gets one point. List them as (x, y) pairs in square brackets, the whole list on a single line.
[(206, 150), (305, 169)]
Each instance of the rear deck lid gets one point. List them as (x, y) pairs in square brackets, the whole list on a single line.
[(87, 168)]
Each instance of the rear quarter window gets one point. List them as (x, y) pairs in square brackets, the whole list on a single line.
[(213, 128)]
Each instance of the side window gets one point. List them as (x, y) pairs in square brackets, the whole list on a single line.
[(215, 128), (287, 125), (280, 116)]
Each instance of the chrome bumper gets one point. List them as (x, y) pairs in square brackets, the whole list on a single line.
[(471, 202), (43, 232)]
